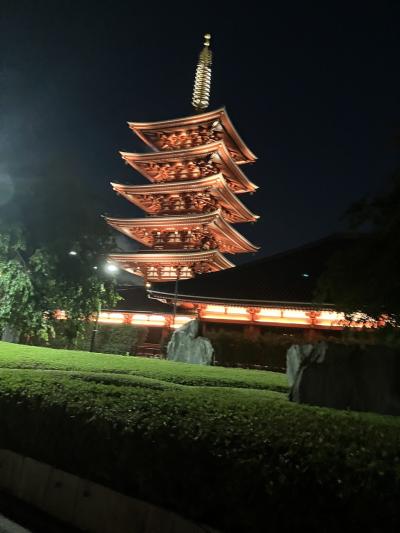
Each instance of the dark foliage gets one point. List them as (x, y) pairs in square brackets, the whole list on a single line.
[(366, 279), (118, 339), (240, 460), (48, 218)]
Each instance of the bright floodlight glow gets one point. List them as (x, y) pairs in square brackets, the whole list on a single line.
[(72, 252), (110, 267), (148, 284)]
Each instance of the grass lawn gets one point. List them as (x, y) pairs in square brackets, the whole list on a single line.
[(20, 356), (220, 446)]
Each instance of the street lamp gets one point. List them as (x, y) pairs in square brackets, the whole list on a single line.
[(110, 268), (96, 324)]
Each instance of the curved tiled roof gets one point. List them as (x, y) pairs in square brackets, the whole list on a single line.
[(285, 278), (135, 299)]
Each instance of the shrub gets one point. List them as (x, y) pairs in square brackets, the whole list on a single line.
[(121, 339), (268, 350), (118, 339), (233, 348), (237, 459)]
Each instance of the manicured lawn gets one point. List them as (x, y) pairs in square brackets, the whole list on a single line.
[(220, 446), (19, 356)]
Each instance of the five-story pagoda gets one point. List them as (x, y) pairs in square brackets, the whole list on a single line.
[(191, 201)]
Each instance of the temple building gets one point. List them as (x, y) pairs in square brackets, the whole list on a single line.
[(274, 293), (191, 205), (192, 200)]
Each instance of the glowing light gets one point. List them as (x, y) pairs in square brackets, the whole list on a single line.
[(236, 311), (143, 319), (293, 313), (111, 318), (111, 268), (180, 320), (215, 309), (72, 252), (265, 312)]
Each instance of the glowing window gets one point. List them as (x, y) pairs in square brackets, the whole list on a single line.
[(293, 313), (236, 310), (215, 309), (270, 312)]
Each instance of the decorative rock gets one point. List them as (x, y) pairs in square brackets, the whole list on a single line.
[(345, 377), (294, 358), (185, 346)]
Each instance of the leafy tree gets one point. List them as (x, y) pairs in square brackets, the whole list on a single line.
[(47, 220), (19, 285), (366, 278)]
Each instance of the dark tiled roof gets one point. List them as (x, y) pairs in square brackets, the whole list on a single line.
[(135, 299), (287, 277)]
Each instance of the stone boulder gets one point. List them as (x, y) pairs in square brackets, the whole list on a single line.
[(185, 346), (345, 377)]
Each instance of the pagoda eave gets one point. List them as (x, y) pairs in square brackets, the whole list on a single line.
[(147, 196), (192, 231), (223, 126), (168, 266), (159, 166)]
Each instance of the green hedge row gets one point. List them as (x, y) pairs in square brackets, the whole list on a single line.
[(240, 460), (268, 350), (119, 339), (233, 348)]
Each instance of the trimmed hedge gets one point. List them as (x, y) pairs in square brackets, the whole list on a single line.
[(234, 348), (118, 339), (268, 349), (239, 459)]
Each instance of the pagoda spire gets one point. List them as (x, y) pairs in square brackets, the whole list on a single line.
[(202, 81)]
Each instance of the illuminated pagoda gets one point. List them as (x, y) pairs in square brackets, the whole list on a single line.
[(192, 200)]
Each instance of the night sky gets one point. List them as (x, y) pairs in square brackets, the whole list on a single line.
[(313, 89)]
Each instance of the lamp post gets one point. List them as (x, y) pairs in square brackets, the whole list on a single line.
[(110, 268), (95, 329), (178, 272)]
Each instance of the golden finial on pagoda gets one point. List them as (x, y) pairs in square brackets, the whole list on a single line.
[(202, 82)]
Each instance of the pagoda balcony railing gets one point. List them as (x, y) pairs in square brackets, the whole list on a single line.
[(184, 240), (181, 248), (178, 139), (195, 247), (186, 204)]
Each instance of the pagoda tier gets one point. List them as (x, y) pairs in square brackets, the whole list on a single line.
[(189, 164), (186, 232), (202, 195), (197, 130), (168, 266)]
